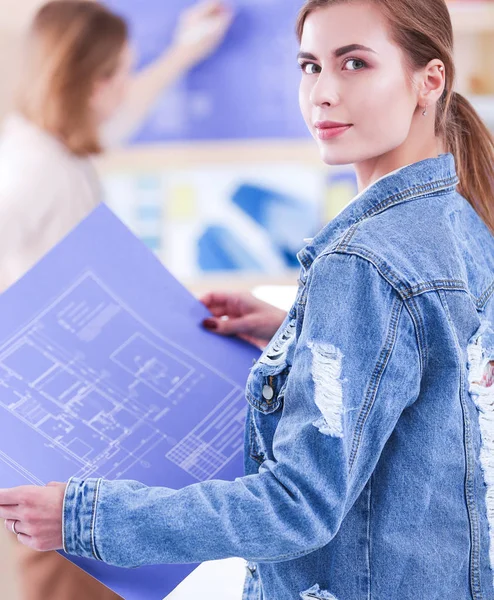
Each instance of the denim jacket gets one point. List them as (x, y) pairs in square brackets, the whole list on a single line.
[(370, 430)]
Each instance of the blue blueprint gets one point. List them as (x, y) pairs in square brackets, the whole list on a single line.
[(106, 372), (248, 89)]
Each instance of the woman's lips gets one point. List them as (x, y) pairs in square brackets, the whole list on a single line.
[(327, 130)]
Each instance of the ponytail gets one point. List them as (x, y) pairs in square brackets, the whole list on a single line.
[(472, 145)]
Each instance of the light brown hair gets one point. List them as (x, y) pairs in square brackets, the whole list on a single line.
[(71, 45), (423, 30)]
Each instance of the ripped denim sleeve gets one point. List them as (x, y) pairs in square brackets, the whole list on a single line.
[(328, 389), (357, 364)]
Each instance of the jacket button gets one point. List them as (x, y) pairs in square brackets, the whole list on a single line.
[(267, 393)]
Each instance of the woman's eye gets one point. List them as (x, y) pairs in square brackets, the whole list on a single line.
[(310, 68), (355, 64)]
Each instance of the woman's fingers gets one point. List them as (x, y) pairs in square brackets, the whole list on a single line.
[(231, 304), (231, 326), (9, 512), (222, 326), (18, 530), (16, 495), (223, 305), (15, 526), (209, 8), (26, 540), (36, 515), (217, 304)]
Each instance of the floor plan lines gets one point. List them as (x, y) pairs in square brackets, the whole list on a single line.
[(217, 439), (105, 391), (157, 368)]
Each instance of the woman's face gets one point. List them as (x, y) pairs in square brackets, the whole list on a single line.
[(109, 93), (356, 96)]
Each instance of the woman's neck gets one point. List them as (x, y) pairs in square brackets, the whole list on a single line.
[(369, 171)]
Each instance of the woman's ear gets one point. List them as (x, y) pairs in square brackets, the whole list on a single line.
[(431, 83)]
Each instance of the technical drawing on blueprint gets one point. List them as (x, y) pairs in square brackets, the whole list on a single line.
[(97, 385)]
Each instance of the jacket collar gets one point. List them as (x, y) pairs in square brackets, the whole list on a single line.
[(411, 182)]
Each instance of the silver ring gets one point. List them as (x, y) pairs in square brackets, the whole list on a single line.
[(13, 527)]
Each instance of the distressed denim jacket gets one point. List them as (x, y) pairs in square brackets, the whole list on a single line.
[(370, 430)]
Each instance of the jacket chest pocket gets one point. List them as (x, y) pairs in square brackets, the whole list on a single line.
[(266, 390), (265, 394)]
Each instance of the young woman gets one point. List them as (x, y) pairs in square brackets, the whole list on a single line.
[(370, 436), (75, 94)]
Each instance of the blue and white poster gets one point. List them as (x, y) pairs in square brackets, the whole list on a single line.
[(248, 218), (248, 89), (105, 371)]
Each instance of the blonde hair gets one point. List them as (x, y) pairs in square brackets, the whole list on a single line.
[(423, 30), (71, 45)]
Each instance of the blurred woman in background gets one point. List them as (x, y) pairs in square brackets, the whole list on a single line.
[(76, 93)]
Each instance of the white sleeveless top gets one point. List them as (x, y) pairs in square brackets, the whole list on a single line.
[(45, 191)]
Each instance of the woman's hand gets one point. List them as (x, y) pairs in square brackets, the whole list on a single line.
[(201, 30), (243, 315), (34, 514)]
